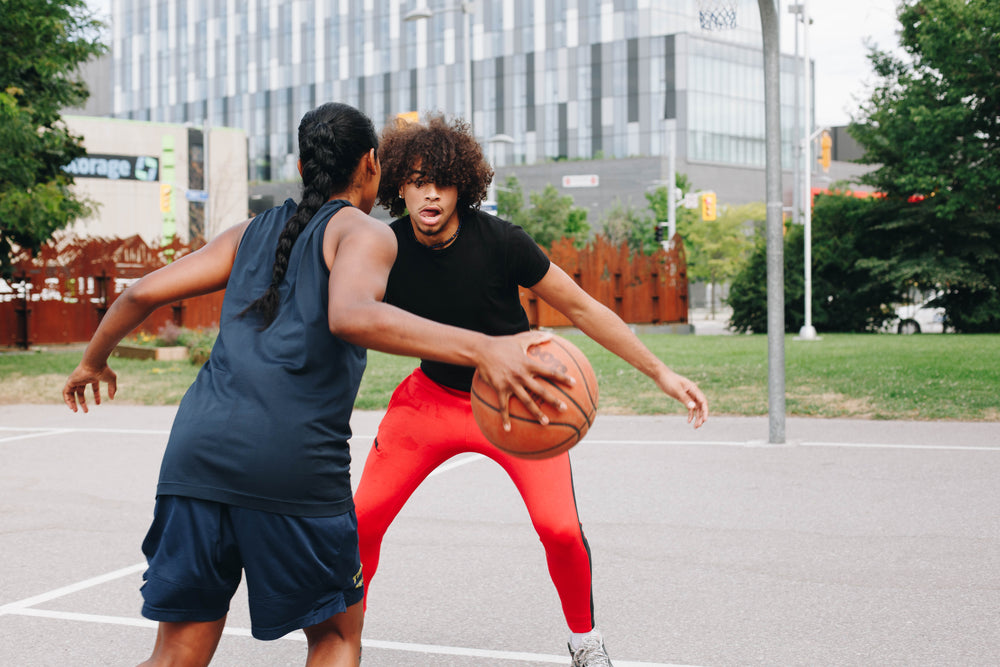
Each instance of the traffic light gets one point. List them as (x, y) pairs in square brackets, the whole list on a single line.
[(708, 206), (166, 198), (659, 232), (825, 150)]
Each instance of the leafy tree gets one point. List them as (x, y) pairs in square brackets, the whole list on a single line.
[(577, 227), (43, 44), (660, 207), (624, 224), (510, 201), (932, 127), (717, 249), (550, 217), (846, 296), (553, 216)]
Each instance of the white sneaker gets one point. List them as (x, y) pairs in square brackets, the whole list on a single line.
[(591, 653)]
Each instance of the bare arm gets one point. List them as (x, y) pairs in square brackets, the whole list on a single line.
[(361, 251), (203, 271), (612, 333)]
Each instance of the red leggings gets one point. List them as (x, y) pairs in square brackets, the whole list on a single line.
[(427, 424)]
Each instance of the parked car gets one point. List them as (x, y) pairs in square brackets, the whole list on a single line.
[(919, 316)]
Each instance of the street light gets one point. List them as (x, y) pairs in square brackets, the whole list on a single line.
[(808, 331), (670, 125), (491, 143), (424, 12)]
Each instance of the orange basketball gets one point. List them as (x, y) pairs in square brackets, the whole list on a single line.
[(527, 438)]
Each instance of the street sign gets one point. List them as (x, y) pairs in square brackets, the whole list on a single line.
[(196, 195), (581, 181)]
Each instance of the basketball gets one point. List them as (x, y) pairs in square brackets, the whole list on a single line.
[(527, 438)]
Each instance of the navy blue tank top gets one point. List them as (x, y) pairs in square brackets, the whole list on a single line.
[(266, 423)]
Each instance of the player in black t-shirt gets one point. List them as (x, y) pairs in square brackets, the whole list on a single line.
[(458, 265)]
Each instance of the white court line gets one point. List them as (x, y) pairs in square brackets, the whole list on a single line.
[(36, 433), (457, 462), (765, 445), (73, 429), (862, 445), (14, 607), (712, 443), (426, 649)]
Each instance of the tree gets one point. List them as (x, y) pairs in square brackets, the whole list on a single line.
[(43, 44), (510, 200), (660, 207), (550, 217), (624, 224), (932, 127), (846, 296), (717, 249)]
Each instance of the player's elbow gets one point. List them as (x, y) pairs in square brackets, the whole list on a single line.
[(352, 324), (141, 296)]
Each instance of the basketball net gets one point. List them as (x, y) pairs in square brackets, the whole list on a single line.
[(717, 15)]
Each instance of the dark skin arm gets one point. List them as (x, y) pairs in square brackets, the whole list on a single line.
[(201, 272), (605, 327), (361, 251)]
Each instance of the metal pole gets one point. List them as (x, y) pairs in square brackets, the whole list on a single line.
[(671, 178), (491, 145), (807, 332), (796, 10), (467, 38), (775, 238), (205, 133)]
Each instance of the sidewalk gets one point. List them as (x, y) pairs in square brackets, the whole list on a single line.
[(707, 324)]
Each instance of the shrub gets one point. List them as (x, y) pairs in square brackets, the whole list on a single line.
[(847, 296)]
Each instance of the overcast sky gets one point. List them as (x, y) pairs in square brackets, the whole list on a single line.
[(836, 46)]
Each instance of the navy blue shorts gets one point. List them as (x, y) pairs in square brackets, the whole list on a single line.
[(300, 570)]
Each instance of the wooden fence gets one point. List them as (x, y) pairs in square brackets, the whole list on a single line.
[(639, 288), (60, 294)]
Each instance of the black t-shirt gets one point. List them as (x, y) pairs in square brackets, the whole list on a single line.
[(473, 283)]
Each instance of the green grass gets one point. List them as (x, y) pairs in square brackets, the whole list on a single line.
[(932, 377)]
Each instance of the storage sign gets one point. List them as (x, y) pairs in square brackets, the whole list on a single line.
[(115, 167)]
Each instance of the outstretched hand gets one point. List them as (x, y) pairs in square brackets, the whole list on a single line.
[(511, 371), (75, 390), (688, 393)]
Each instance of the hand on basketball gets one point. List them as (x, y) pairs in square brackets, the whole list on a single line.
[(75, 390), (509, 369), (688, 393)]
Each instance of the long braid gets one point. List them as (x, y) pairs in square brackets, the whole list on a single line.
[(327, 167)]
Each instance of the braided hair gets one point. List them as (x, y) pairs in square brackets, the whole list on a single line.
[(333, 138)]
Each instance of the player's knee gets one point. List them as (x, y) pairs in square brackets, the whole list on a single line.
[(561, 537), (343, 629)]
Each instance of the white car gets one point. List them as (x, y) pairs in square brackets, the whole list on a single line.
[(919, 317)]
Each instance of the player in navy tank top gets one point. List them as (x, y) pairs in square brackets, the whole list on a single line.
[(458, 265), (255, 479)]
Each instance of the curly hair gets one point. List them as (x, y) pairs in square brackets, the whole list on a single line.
[(448, 154)]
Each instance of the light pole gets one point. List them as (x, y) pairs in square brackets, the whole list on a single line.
[(808, 331), (796, 10), (491, 143), (670, 126), (424, 12)]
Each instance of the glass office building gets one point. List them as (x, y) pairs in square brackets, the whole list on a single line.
[(566, 79)]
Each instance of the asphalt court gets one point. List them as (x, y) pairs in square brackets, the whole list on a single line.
[(855, 543)]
